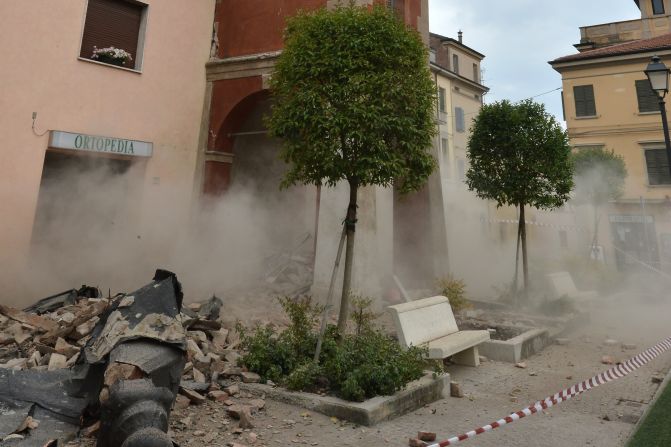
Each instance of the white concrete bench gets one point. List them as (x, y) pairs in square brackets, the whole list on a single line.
[(561, 284), (431, 321)]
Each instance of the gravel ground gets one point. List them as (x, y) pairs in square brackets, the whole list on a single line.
[(604, 416)]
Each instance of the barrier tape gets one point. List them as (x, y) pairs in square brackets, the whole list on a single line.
[(617, 372)]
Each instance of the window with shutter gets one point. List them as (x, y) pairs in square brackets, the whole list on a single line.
[(647, 98), (114, 24), (461, 167), (441, 99), (459, 121), (658, 6), (455, 63), (584, 100), (658, 167)]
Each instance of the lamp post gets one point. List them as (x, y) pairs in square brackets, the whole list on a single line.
[(658, 75)]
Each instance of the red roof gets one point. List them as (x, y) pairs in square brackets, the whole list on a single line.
[(662, 42)]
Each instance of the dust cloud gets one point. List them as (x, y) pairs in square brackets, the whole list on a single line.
[(92, 227)]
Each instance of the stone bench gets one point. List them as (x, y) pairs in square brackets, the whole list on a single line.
[(430, 321), (561, 284)]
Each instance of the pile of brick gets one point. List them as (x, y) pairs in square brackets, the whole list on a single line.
[(48, 341), (52, 337)]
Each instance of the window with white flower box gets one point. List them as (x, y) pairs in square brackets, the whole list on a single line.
[(114, 32)]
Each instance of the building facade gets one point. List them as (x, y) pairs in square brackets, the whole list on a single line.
[(457, 72), (403, 236), (93, 143), (655, 20), (608, 103)]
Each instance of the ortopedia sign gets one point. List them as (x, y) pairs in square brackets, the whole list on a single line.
[(92, 143)]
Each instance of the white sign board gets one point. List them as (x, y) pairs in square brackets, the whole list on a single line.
[(92, 143)]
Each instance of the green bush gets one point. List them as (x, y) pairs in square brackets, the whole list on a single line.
[(455, 291), (351, 366)]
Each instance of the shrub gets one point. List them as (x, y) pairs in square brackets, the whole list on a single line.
[(454, 290), (352, 366)]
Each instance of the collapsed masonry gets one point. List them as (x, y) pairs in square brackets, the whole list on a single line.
[(77, 364)]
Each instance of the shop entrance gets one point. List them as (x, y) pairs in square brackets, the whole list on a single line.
[(83, 205), (635, 241)]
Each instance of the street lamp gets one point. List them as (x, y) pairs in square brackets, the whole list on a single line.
[(658, 75)]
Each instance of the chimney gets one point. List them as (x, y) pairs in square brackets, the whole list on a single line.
[(461, 36)]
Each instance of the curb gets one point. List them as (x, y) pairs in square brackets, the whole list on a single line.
[(652, 402), (370, 412)]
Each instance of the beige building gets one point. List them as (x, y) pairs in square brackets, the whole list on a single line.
[(457, 71), (96, 150), (608, 103)]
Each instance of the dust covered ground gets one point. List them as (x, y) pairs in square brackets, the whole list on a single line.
[(604, 416)]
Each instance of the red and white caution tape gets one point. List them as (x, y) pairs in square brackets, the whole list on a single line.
[(614, 373)]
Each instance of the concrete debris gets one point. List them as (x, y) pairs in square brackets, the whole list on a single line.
[(246, 419), (657, 379), (521, 365), (426, 436), (456, 390), (57, 361), (289, 273), (77, 348), (610, 342), (413, 442), (193, 396), (250, 377), (607, 360)]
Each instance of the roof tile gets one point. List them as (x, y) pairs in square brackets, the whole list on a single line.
[(636, 46)]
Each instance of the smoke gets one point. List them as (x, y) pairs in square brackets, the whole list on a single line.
[(101, 222)]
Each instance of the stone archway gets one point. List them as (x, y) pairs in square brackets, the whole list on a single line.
[(283, 220)]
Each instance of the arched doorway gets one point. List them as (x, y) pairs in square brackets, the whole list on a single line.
[(282, 221)]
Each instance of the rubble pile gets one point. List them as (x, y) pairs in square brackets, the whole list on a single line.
[(49, 335), (81, 327), (290, 273)]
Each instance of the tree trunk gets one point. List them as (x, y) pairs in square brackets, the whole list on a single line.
[(517, 263), (350, 225), (525, 261)]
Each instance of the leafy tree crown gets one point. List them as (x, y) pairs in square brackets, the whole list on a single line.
[(519, 154), (353, 100), (599, 175)]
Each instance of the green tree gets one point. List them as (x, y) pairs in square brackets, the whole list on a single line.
[(519, 156), (353, 101), (599, 177)]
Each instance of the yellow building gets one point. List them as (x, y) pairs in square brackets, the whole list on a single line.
[(457, 73), (608, 103)]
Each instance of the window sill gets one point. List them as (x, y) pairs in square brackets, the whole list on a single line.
[(665, 185), (648, 113), (132, 70), (590, 117)]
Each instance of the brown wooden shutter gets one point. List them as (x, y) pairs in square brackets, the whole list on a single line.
[(584, 100), (658, 167), (112, 23), (647, 98)]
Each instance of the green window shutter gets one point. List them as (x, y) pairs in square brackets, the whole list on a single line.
[(460, 123), (584, 100), (647, 98), (441, 99), (658, 167)]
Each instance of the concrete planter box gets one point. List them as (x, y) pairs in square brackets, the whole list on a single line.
[(517, 348), (381, 408)]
